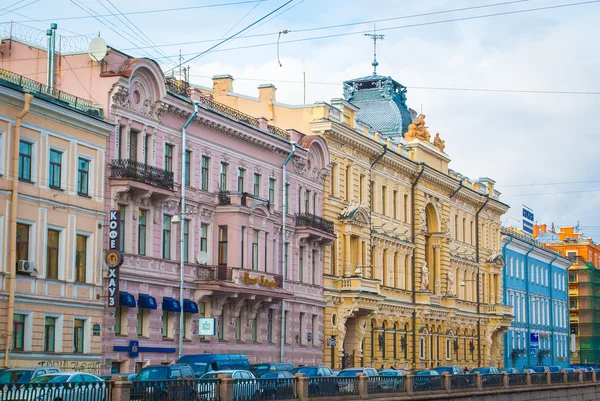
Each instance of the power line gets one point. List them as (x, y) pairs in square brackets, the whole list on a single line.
[(553, 193), (548, 183), (18, 8), (11, 5)]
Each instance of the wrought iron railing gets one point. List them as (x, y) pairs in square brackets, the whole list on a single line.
[(206, 273), (428, 383), (538, 378), (556, 377), (183, 390), (492, 380), (385, 384), (133, 170), (56, 391), (220, 108), (245, 390), (573, 377), (277, 389), (463, 381), (332, 386), (224, 198), (278, 132), (310, 220), (517, 379), (55, 95), (209, 389), (177, 86), (224, 273)]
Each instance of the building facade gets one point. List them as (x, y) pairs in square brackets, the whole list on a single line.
[(535, 285), (236, 270), (414, 278), (584, 289), (54, 263)]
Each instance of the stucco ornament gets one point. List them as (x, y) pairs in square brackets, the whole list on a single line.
[(417, 130), (451, 283), (424, 277), (439, 142), (343, 315)]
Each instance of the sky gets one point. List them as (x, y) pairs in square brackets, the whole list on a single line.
[(541, 148)]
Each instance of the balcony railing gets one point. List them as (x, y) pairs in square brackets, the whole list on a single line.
[(240, 276), (312, 221), (142, 172), (177, 86)]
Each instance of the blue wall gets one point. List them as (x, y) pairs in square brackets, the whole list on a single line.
[(535, 285)]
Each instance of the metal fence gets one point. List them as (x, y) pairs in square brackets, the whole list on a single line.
[(538, 378), (428, 383), (587, 376), (492, 380), (573, 377), (464, 381), (556, 377), (168, 390), (146, 173), (517, 379), (332, 386), (385, 384), (209, 389), (277, 389), (95, 391)]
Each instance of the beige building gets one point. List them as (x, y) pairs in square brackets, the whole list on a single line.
[(415, 277), (55, 264)]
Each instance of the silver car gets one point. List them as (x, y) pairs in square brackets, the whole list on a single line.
[(65, 386), (245, 386)]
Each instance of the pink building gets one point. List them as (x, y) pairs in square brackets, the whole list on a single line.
[(233, 217)]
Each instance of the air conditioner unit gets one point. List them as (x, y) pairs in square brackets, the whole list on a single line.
[(25, 266)]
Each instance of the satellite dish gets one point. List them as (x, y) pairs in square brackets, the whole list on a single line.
[(97, 49), (202, 257)]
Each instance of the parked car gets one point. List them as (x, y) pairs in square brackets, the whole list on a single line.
[(259, 369), (509, 370), (64, 386), (24, 375), (570, 370), (554, 369), (203, 363), (539, 369), (128, 376), (316, 386), (165, 383), (389, 379), (434, 382), (453, 370), (245, 386), (525, 370), (352, 372), (276, 388), (490, 375)]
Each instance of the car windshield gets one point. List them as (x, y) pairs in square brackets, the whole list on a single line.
[(444, 369), (349, 373), (51, 379), (396, 373), (211, 376), (154, 373), (310, 372), (269, 375), (15, 376)]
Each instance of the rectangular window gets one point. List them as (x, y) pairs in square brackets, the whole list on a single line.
[(118, 318), (573, 303), (223, 177), (52, 259), (166, 237), (302, 328), (266, 251), (186, 239), (54, 168), (384, 200), (361, 188), (240, 182), (299, 199), (169, 157), (83, 174), (133, 135), (22, 241), (145, 149), (221, 323), (25, 150), (272, 191), (395, 206), (165, 324), (122, 210), (222, 245), (188, 167), (81, 259), (78, 336), (285, 322), (332, 179), (203, 238), (205, 173), (270, 326), (256, 184), (301, 264), (348, 183), (142, 219), (243, 247), (18, 332), (315, 256), (255, 234), (140, 322), (49, 334)]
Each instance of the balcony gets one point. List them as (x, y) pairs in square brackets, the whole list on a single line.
[(358, 284), (316, 227), (131, 170), (244, 281)]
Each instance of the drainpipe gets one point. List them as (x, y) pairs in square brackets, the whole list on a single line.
[(550, 312), (14, 196), (284, 248), (413, 264), (528, 304), (182, 222), (385, 149), (49, 57), (52, 52), (504, 297), (487, 199)]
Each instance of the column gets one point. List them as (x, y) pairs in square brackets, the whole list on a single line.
[(437, 264), (499, 289), (359, 259), (409, 272), (347, 264)]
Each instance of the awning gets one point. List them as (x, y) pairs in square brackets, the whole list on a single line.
[(145, 301), (126, 299), (171, 305), (190, 306)]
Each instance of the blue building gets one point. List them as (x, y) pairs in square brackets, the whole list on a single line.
[(535, 285)]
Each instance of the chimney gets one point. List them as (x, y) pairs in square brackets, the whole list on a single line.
[(266, 93), (222, 85), (544, 227)]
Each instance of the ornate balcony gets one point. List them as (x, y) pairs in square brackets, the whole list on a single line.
[(316, 227), (132, 170), (227, 279)]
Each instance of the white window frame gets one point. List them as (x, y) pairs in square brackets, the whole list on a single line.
[(27, 330), (58, 331), (87, 332), (64, 164), (91, 173)]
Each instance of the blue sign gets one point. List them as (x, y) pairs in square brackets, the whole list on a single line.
[(528, 219), (134, 349), (534, 338), (309, 337)]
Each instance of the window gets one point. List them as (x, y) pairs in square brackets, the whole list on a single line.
[(54, 170), (223, 177), (118, 319), (25, 150), (140, 322), (573, 303), (49, 334), (256, 186), (448, 353), (203, 238), (145, 148), (143, 215), (243, 246), (188, 167), (272, 191), (22, 241), (202, 313), (241, 177), (205, 173), (266, 250), (255, 249), (18, 332), (464, 229), (575, 329), (221, 323), (406, 208), (315, 256), (307, 201), (133, 145), (302, 328), (255, 329), (573, 277), (222, 245), (238, 328), (78, 335), (122, 210), (270, 326), (166, 237), (422, 348), (83, 174), (348, 181), (186, 239), (312, 328), (361, 188), (285, 322), (52, 259), (301, 264), (395, 205), (384, 200), (472, 231), (81, 258), (165, 325), (169, 157)]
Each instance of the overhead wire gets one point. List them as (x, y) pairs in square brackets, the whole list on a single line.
[(18, 8)]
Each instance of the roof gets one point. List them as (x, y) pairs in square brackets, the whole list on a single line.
[(382, 103)]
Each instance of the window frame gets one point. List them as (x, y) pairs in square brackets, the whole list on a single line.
[(241, 179), (222, 246), (142, 231), (18, 326), (78, 331), (168, 159), (52, 274), (255, 253), (256, 184), (21, 242), (25, 158), (81, 259), (166, 236), (205, 173), (55, 169), (272, 183), (81, 172), (46, 334)]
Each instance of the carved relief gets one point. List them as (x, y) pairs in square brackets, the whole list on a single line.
[(218, 302)]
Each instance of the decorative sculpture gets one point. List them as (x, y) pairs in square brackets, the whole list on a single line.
[(417, 130), (439, 142), (425, 277), (450, 291)]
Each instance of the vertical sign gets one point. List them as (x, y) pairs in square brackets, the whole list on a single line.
[(528, 219), (113, 259)]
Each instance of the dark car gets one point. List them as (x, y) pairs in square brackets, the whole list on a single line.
[(453, 370), (425, 380), (391, 379), (25, 375), (165, 383), (203, 363), (554, 369), (540, 369), (127, 376), (348, 387), (262, 368), (315, 373), (274, 387)]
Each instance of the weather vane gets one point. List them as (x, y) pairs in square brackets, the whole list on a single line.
[(375, 37)]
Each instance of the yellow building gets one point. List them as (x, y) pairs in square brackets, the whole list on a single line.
[(415, 277), (51, 248)]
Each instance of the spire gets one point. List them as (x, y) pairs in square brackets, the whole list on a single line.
[(374, 37)]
